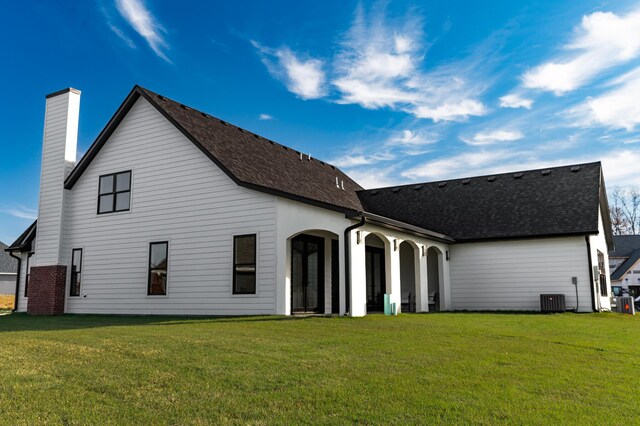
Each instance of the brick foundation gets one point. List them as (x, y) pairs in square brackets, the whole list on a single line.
[(46, 290)]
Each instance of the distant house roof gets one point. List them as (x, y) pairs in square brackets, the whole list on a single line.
[(625, 245), (7, 263), (535, 203), (248, 159), (24, 241), (626, 265)]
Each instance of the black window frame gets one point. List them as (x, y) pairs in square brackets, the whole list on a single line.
[(235, 272), (76, 276), (150, 269), (114, 192)]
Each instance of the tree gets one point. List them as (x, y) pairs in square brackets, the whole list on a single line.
[(624, 205)]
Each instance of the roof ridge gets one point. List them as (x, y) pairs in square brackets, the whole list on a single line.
[(439, 181)]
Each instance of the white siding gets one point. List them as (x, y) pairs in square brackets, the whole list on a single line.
[(177, 195), (58, 156), (511, 275)]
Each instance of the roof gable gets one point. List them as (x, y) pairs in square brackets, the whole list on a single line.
[(536, 203), (626, 265), (248, 159)]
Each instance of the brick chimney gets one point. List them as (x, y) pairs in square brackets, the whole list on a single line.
[(47, 281)]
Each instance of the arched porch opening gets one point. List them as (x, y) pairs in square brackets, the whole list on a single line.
[(435, 278), (377, 270), (409, 281), (313, 272)]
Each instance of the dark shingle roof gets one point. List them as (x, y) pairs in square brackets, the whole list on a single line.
[(625, 244), (624, 266), (533, 203), (7, 263), (250, 160)]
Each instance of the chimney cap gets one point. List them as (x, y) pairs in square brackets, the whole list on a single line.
[(62, 92)]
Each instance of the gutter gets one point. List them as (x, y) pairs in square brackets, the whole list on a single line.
[(593, 295), (347, 264), (15, 301)]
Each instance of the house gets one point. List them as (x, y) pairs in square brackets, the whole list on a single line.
[(173, 211), (624, 262), (8, 268)]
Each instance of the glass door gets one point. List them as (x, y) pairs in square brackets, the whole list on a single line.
[(375, 281), (307, 274)]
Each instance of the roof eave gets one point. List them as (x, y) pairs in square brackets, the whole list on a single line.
[(401, 226)]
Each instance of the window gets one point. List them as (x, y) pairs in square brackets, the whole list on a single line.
[(114, 193), (244, 264), (26, 280), (76, 272), (603, 275), (158, 260)]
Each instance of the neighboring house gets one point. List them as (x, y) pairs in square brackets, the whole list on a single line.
[(173, 211), (8, 269), (624, 262)]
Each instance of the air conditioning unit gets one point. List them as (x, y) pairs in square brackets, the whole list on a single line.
[(552, 303), (625, 305)]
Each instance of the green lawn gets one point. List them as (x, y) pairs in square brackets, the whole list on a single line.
[(417, 369)]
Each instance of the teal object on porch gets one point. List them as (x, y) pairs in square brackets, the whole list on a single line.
[(394, 310), (387, 304)]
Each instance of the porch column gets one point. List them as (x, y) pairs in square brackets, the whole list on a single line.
[(445, 281), (357, 272), (394, 273), (422, 296)]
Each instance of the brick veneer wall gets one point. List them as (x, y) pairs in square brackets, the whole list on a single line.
[(46, 290)]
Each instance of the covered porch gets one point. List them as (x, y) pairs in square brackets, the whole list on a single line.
[(336, 265)]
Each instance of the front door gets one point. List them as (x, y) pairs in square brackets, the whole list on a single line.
[(376, 282), (307, 274)]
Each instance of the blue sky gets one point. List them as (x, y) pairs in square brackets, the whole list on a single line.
[(392, 92)]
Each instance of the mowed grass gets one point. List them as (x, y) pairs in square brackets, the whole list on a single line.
[(469, 368)]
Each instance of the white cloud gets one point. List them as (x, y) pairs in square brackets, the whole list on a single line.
[(380, 66), (21, 212), (374, 177), (145, 24), (493, 137), (515, 101), (603, 40), (412, 138), (265, 117), (451, 111), (466, 164), (620, 107), (621, 167), (117, 31), (358, 159), (305, 78)]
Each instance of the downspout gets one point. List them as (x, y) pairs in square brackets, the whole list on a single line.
[(593, 295), (347, 265), (15, 302)]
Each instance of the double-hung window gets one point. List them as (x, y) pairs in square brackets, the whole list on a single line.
[(158, 262), (76, 272), (114, 193), (244, 264)]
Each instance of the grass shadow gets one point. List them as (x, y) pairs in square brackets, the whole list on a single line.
[(24, 322)]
